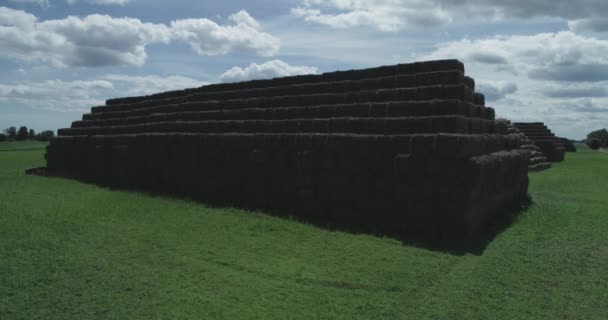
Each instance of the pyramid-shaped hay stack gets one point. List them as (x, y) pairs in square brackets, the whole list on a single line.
[(551, 146), (407, 150)]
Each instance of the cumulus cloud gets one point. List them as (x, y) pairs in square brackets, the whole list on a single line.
[(494, 90), (561, 56), (208, 38), (56, 95), (101, 40), (385, 15), (95, 40), (36, 90), (577, 73), (586, 106), (42, 3), (488, 57), (46, 3), (80, 95), (268, 70), (576, 90), (559, 78), (538, 8), (393, 15), (145, 85), (595, 24), (566, 116), (102, 2)]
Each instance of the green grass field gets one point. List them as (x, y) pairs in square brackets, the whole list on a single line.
[(22, 145), (69, 250)]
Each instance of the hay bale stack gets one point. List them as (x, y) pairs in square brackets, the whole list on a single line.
[(538, 161), (408, 150), (538, 132), (568, 144)]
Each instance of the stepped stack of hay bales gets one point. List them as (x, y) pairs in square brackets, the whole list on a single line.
[(407, 150), (538, 161), (550, 145), (568, 145)]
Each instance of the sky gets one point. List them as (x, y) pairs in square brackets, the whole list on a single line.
[(535, 60)]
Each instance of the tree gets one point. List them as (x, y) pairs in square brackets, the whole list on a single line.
[(3, 137), (601, 135), (45, 135), (22, 134), (594, 143), (31, 134), (11, 133)]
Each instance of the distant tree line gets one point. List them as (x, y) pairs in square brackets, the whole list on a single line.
[(21, 134), (597, 139)]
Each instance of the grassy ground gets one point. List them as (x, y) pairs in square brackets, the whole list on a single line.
[(22, 145), (74, 251)]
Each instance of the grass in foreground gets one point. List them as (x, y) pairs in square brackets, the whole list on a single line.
[(75, 251), (22, 145)]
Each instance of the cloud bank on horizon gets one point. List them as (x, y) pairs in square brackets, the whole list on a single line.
[(536, 60), (101, 40)]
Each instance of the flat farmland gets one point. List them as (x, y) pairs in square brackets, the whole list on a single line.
[(70, 250)]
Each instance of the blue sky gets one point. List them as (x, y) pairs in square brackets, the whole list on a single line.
[(536, 60)]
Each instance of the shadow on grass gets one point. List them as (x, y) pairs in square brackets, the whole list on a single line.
[(450, 242)]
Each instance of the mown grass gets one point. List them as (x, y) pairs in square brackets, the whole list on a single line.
[(69, 250), (22, 145)]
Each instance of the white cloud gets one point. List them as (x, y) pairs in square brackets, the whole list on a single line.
[(102, 2), (145, 85), (267, 70), (562, 56), (569, 117), (46, 3), (17, 19), (496, 90), (385, 15), (56, 95), (575, 90), (42, 3), (208, 38), (101, 40), (586, 105), (80, 95), (595, 24), (393, 15), (95, 40), (37, 90), (590, 72), (557, 78)]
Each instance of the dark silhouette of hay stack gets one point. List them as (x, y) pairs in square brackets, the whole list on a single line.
[(538, 132), (568, 145), (407, 150), (537, 160)]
